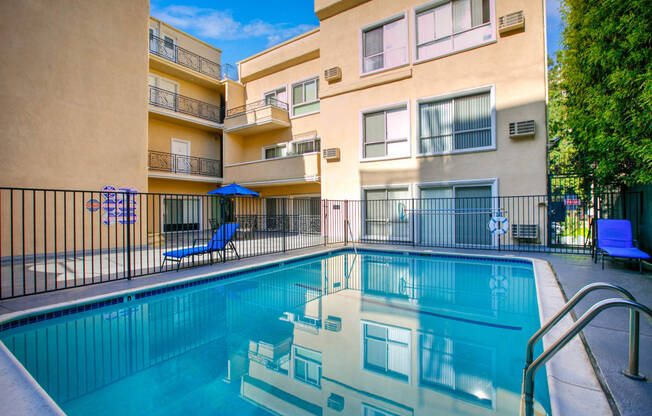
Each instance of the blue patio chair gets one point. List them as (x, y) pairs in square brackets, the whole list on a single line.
[(615, 239), (222, 240)]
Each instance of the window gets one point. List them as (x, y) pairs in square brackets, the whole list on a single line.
[(384, 46), (453, 26), (387, 350), (305, 97), (273, 97), (461, 367), (384, 214), (275, 151), (386, 133), (455, 124), (307, 366), (307, 146), (181, 214)]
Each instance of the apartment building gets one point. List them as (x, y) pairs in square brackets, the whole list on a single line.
[(404, 99)]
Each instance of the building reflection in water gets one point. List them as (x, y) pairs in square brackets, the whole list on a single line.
[(379, 335)]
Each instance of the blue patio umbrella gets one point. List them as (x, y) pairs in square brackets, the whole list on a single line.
[(233, 190)]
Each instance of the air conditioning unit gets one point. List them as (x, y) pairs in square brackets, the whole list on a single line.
[(336, 402), (332, 153), (333, 74), (522, 128), (511, 22), (333, 323), (525, 231)]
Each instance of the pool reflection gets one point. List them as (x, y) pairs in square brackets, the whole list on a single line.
[(374, 335)]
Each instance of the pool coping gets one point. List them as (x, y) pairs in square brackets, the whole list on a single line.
[(572, 382)]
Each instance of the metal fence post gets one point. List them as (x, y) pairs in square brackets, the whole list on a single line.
[(284, 219), (325, 222), (127, 211), (346, 219)]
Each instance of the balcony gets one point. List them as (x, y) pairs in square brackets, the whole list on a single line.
[(173, 53), (181, 167), (257, 117), (294, 169), (179, 106)]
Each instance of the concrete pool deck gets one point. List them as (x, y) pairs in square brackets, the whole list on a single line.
[(606, 337)]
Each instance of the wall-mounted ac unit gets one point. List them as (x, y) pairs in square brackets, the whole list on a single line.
[(336, 402), (511, 22), (332, 153), (522, 128), (333, 323), (525, 231), (333, 74)]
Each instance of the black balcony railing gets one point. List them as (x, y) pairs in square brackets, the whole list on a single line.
[(182, 104), (168, 50), (257, 104), (191, 165)]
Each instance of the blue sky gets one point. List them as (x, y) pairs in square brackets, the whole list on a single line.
[(241, 29)]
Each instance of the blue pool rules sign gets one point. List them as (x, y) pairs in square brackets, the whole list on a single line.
[(116, 206)]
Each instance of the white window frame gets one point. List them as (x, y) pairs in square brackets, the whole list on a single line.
[(294, 358), (363, 209), (383, 22), (364, 322), (435, 3), (492, 182), (271, 146), (291, 95), (491, 89), (158, 77), (366, 406), (293, 145), (393, 106), (275, 90)]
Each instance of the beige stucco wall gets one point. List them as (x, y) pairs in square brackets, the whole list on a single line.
[(248, 147), (202, 143), (514, 65), (73, 93), (287, 168), (285, 55)]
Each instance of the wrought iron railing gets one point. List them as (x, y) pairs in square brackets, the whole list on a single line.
[(168, 50), (257, 104), (170, 162), (182, 104)]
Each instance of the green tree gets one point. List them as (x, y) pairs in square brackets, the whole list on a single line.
[(606, 75)]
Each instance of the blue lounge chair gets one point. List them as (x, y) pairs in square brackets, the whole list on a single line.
[(615, 239), (222, 240)]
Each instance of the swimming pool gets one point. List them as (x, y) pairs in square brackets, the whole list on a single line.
[(380, 333)]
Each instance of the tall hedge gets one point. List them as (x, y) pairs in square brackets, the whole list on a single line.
[(607, 80)]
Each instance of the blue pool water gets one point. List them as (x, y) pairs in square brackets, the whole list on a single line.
[(377, 334)]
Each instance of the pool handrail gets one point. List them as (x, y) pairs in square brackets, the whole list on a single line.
[(527, 389), (569, 306)]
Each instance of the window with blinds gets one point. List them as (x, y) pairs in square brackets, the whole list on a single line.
[(387, 350), (305, 97), (459, 123), (386, 133), (384, 46), (453, 26), (276, 151)]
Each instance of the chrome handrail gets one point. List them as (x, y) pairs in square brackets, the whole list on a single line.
[(567, 308), (527, 396), (355, 250)]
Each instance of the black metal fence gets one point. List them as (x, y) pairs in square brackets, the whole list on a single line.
[(172, 101), (174, 163), (56, 239)]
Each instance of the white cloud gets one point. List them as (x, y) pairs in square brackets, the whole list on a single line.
[(220, 24)]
